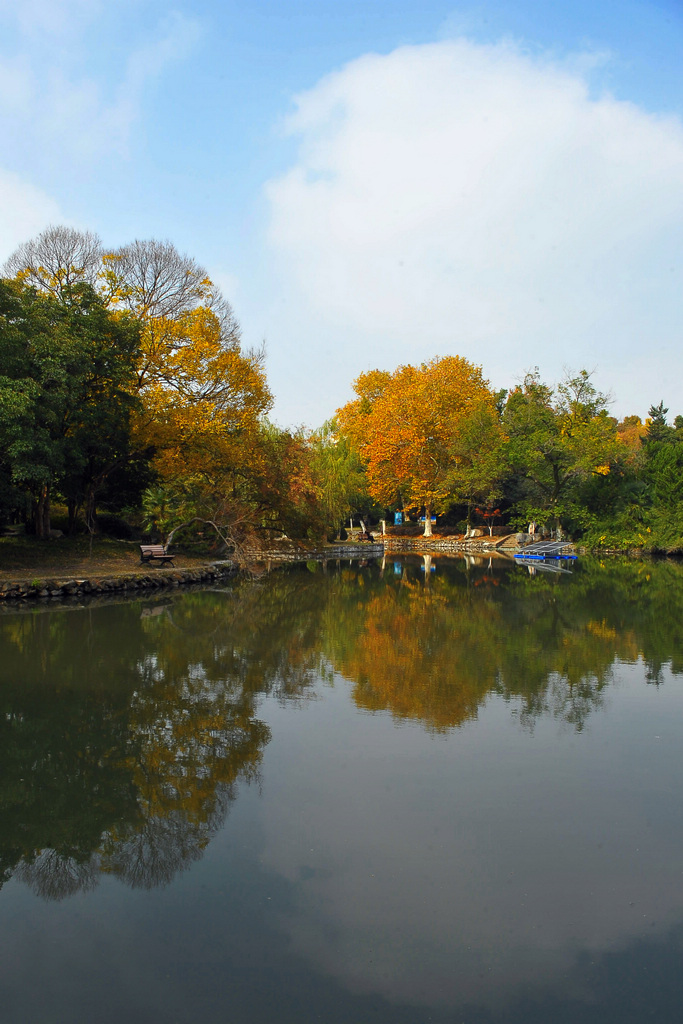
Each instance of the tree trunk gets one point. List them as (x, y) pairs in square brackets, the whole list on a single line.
[(428, 522), (72, 506), (90, 510), (42, 513)]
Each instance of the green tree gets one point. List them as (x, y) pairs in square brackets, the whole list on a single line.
[(196, 399), (663, 480), (658, 430), (66, 367), (339, 475), (480, 458), (557, 440)]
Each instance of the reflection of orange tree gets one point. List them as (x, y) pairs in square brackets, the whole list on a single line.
[(120, 750), (194, 731), (123, 737), (405, 661), (141, 803), (435, 652)]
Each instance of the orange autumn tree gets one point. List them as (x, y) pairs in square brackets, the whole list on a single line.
[(409, 426)]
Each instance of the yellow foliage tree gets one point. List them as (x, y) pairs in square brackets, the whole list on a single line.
[(203, 397)]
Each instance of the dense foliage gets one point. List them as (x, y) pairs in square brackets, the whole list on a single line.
[(124, 388)]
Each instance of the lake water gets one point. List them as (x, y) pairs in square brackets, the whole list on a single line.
[(379, 793)]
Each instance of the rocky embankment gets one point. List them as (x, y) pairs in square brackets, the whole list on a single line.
[(510, 543), (118, 583), (161, 577), (323, 554)]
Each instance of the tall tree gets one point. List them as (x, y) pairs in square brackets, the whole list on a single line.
[(480, 458), (409, 429), (658, 430), (557, 439), (66, 370), (203, 396), (339, 474), (199, 396)]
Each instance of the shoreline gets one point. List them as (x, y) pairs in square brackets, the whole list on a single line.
[(48, 587), (52, 587)]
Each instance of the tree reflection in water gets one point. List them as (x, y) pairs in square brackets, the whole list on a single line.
[(54, 876), (126, 729)]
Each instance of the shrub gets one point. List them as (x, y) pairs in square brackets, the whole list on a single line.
[(114, 526)]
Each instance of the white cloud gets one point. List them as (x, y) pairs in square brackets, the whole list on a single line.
[(456, 197), (24, 211), (45, 95), (424, 914), (77, 109), (53, 114)]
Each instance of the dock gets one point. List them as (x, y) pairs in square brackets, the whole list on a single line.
[(543, 549)]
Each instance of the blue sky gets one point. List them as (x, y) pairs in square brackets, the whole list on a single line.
[(374, 183)]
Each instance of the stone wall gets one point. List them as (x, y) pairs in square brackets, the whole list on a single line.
[(51, 588), (294, 554), (423, 545), (162, 577)]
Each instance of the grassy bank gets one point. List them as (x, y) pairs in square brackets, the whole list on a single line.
[(26, 557)]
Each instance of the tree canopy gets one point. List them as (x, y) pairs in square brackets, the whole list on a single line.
[(67, 371), (130, 356), (414, 430), (557, 439), (124, 385)]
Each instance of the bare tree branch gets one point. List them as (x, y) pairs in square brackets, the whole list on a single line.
[(57, 259)]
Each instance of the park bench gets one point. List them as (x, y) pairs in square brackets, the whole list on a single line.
[(155, 553)]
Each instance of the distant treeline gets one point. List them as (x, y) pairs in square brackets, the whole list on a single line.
[(126, 396)]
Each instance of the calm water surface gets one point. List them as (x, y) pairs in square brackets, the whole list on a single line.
[(382, 793)]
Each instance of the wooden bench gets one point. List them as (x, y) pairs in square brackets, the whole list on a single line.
[(155, 553)]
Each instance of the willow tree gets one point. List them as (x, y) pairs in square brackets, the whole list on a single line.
[(339, 475), (410, 428)]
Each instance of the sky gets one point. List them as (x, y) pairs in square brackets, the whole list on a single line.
[(375, 183)]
